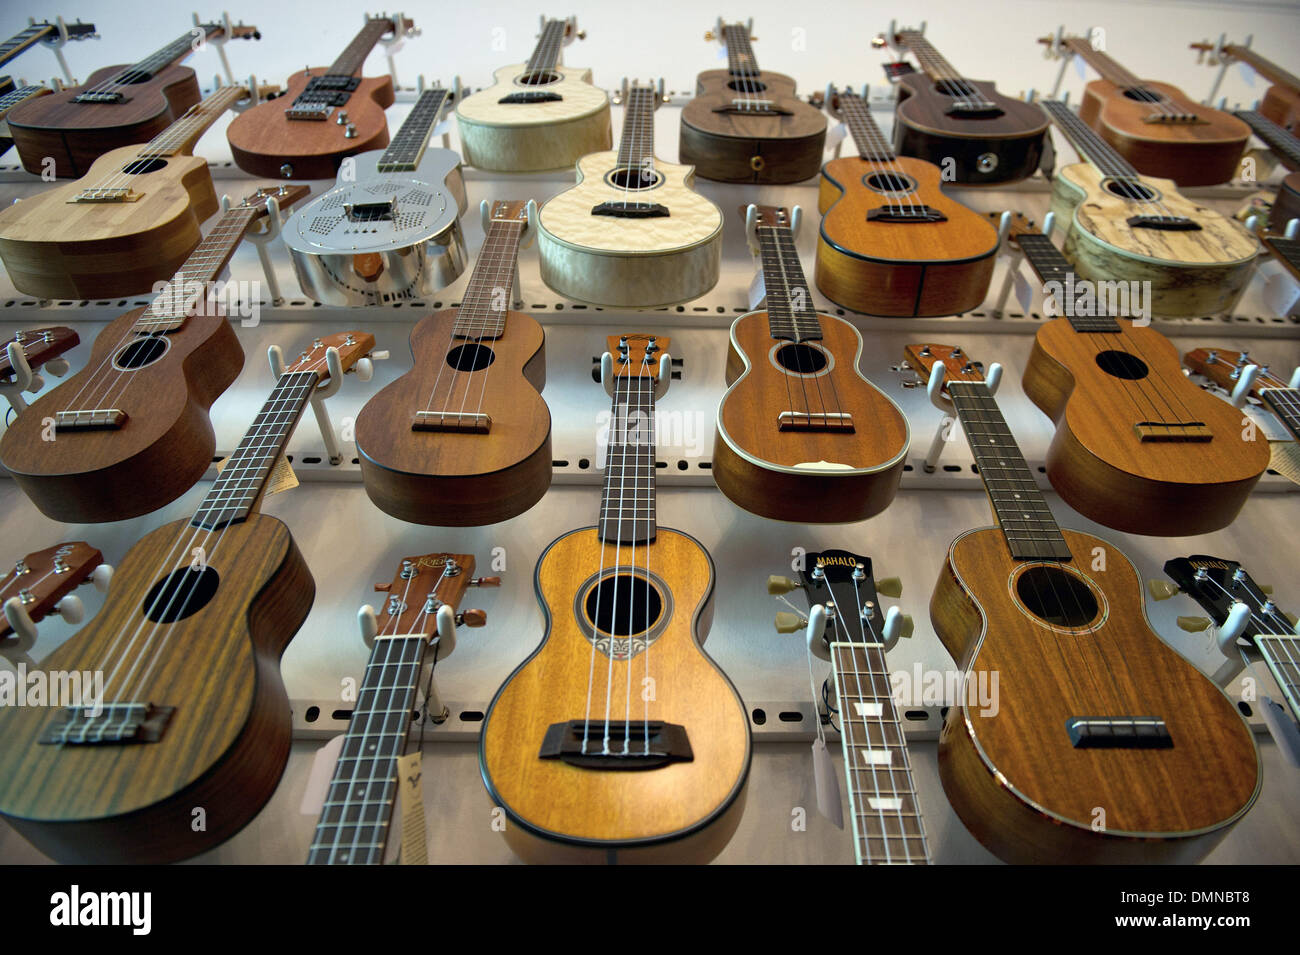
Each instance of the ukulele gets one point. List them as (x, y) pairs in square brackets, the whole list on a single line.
[(1105, 745), (1154, 126), (331, 113), (1286, 146), (129, 222), (619, 739), (746, 124), (65, 132), (10, 99), (1281, 102), (44, 32), (978, 135), (192, 715), (536, 116), (1286, 251), (802, 435), (355, 823), (389, 230), (1123, 226), (891, 243), (38, 346), (464, 438), (1225, 368), (41, 581), (632, 232), (131, 430), (1138, 447)]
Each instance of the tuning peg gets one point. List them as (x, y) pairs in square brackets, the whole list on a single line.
[(368, 624), (71, 609), (890, 587), (383, 588), (1295, 621), (708, 36), (101, 576), (787, 622), (1266, 589), (908, 627), (1194, 624), (485, 582), (365, 369), (1161, 589), (777, 584), (58, 367), (471, 618)]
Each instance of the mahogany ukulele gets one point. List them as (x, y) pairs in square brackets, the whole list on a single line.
[(1102, 745), (1281, 101), (41, 581), (619, 739), (1138, 447), (192, 713), (464, 438), (326, 115), (130, 432), (746, 124), (117, 106), (802, 435)]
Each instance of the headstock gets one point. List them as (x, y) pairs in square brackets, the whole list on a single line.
[(719, 31), (43, 578), (423, 598), (771, 216), (505, 210), (842, 591), (571, 31), (241, 31), (352, 347), (832, 98), (637, 356), (39, 345), (956, 363), (654, 87), (1217, 585), (75, 31), (399, 26), (1224, 368), (285, 196)]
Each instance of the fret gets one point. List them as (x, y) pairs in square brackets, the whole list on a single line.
[(546, 55), (354, 55), (790, 315), (22, 41), (630, 518), (18, 95), (1091, 146), (740, 54), (1281, 653), (407, 147), (1051, 266), (1285, 144), (870, 140), (636, 147), (1285, 403), (934, 63), (487, 299), (177, 49)]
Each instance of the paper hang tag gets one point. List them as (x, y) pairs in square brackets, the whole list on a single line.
[(1024, 291), (1080, 67), (827, 781), (835, 135), (415, 845), (1247, 73), (1286, 459), (318, 779), (757, 290), (281, 478)]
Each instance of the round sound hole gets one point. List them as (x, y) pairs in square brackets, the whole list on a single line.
[(141, 352), (139, 167), (1142, 94), (889, 182), (470, 357), (954, 88), (1128, 189), (1060, 598), (747, 86), (624, 605), (539, 78), (800, 359), (180, 594), (1120, 364), (634, 178)]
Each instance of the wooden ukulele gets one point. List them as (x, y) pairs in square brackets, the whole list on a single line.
[(891, 243), (632, 232), (746, 124), (536, 116), (129, 222), (131, 430), (1123, 226), (619, 739), (1102, 744), (326, 115), (117, 106), (978, 135), (41, 581), (1225, 369), (38, 346), (1138, 447), (11, 99), (355, 826), (1281, 102), (192, 715), (464, 438), (802, 435), (1286, 146)]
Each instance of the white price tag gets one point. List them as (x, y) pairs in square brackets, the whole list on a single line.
[(757, 290), (827, 781), (835, 135), (1024, 291)]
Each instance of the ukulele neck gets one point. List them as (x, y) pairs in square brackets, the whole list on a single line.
[(935, 65), (150, 66), (790, 315), (1054, 268), (741, 61), (546, 55), (1108, 68), (627, 502), (1092, 147), (483, 309), (1265, 68), (407, 148), (25, 40), (1284, 144), (354, 54), (870, 140), (636, 148)]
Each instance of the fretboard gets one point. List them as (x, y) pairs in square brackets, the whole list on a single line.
[(181, 135), (872, 143), (1051, 266), (355, 819), (240, 483), (160, 59), (1091, 146), (1288, 250), (888, 827), (546, 55), (1281, 652), (1101, 62), (15, 96), (1284, 144), (627, 503), (790, 312), (482, 312), (354, 54), (1266, 68), (1026, 520), (931, 60), (1285, 403), (637, 147), (740, 55), (22, 41), (407, 147)]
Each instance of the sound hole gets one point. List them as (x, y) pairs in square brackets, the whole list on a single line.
[(889, 182), (470, 357), (1128, 189), (624, 605), (634, 178), (800, 359), (1120, 364), (139, 167), (954, 88), (1142, 94), (1059, 598), (747, 86), (141, 352), (180, 594), (539, 78)]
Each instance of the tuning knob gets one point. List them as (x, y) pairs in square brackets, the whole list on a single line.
[(908, 626), (365, 369), (471, 618), (1161, 589), (485, 582), (58, 367), (71, 609), (708, 36), (1263, 588), (890, 587), (581, 34), (776, 584), (383, 588), (787, 622), (101, 576), (1194, 624)]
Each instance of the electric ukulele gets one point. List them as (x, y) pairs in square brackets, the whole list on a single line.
[(891, 243), (331, 113), (978, 135), (1281, 101), (192, 721), (746, 124), (1138, 447), (464, 438), (68, 130), (632, 232), (619, 739), (536, 116), (802, 435), (1225, 368), (42, 581), (1156, 127), (128, 223), (130, 431), (1286, 146), (1123, 226), (1104, 745)]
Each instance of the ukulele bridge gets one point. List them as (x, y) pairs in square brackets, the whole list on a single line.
[(531, 96), (979, 109), (111, 194), (753, 107), (1173, 119), (1163, 223), (1160, 431), (618, 744), (630, 210), (464, 422), (906, 212), (91, 419), (1118, 732), (107, 724), (104, 96), (833, 421)]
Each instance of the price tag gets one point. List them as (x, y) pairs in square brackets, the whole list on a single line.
[(1024, 291), (1247, 73), (415, 843), (1080, 67), (757, 290), (827, 781), (835, 135)]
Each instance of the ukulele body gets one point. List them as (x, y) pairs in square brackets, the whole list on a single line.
[(983, 151), (225, 746), (160, 451), (534, 137), (732, 146), (900, 269), (74, 135), (53, 247), (681, 812), (1011, 770), (263, 140), (1097, 461), (804, 476), (1281, 104), (1201, 272), (1201, 153), (460, 478)]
